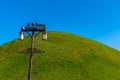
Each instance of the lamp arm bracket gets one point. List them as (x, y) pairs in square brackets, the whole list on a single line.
[(28, 33), (37, 34)]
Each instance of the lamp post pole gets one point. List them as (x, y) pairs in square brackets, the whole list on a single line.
[(31, 54), (33, 29)]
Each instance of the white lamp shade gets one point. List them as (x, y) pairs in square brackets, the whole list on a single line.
[(44, 35), (21, 35)]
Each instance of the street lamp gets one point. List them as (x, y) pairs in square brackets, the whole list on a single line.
[(33, 28)]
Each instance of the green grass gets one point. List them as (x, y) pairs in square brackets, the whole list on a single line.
[(63, 56)]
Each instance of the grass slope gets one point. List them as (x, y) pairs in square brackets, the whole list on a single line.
[(63, 56)]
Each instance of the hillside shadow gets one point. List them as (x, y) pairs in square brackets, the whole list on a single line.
[(28, 51)]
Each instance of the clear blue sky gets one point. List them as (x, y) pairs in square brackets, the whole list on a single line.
[(95, 19)]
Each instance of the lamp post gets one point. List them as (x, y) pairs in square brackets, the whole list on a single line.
[(33, 28)]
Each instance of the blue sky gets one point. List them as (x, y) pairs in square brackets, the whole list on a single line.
[(95, 19)]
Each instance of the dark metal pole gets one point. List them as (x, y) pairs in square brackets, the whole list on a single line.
[(31, 54)]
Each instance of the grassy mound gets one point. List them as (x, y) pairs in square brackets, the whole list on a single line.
[(63, 56)]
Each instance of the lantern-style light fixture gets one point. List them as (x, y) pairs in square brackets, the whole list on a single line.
[(44, 35), (21, 35)]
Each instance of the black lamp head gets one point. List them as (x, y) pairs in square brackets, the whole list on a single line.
[(28, 24), (32, 24), (36, 24)]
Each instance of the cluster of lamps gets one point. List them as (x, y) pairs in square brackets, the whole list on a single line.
[(34, 28)]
